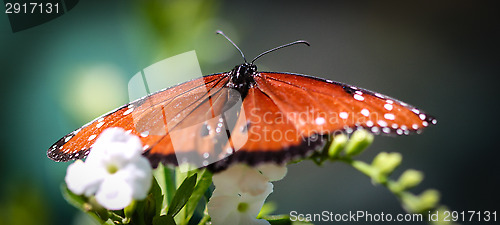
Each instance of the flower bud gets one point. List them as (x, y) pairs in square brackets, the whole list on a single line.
[(386, 163), (337, 145), (410, 178), (419, 204), (359, 141), (429, 199)]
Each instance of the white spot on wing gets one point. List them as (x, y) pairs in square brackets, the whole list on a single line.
[(99, 125), (128, 111), (386, 130), (320, 121), (422, 116), (388, 107), (359, 97), (382, 123), (91, 137), (343, 115), (389, 116), (365, 112)]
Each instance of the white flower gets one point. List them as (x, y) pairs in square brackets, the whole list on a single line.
[(239, 209), (240, 192), (115, 171), (241, 178)]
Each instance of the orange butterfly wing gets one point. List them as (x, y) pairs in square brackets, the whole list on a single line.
[(147, 118), (290, 115)]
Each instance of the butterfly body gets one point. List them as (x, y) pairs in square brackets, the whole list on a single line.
[(242, 77)]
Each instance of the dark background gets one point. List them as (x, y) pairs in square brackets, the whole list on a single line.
[(440, 56)]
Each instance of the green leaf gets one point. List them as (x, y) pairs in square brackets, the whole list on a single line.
[(139, 217), (77, 201), (204, 182), (182, 195), (130, 210), (108, 222), (164, 220), (81, 203), (157, 196), (267, 209), (166, 180)]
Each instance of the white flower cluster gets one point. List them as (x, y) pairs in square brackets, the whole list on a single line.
[(240, 192), (114, 171)]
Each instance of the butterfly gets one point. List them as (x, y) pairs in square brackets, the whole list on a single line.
[(246, 116)]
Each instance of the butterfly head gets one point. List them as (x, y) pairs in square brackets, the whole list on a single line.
[(242, 75)]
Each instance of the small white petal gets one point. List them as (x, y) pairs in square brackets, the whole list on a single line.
[(83, 179), (139, 175), (240, 178), (114, 193), (272, 171)]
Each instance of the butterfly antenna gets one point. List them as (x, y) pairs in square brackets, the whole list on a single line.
[(222, 33), (280, 47)]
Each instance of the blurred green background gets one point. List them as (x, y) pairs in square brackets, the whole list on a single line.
[(442, 56)]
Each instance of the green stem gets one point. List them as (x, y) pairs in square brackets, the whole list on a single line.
[(363, 167), (115, 217), (373, 173)]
